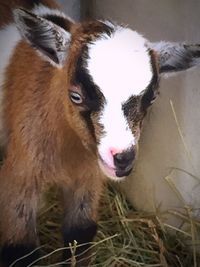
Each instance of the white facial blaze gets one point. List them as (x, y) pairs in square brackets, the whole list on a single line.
[(118, 135), (120, 66)]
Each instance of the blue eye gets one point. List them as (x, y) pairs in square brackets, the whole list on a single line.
[(76, 98)]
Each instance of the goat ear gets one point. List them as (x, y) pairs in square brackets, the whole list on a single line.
[(176, 56), (48, 38)]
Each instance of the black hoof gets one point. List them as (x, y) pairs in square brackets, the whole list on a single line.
[(18, 255)]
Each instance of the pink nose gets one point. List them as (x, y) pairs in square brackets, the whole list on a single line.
[(114, 151)]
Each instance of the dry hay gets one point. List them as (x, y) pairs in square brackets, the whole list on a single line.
[(125, 237)]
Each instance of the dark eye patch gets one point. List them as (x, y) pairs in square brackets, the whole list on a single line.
[(131, 107), (94, 99), (151, 91), (136, 106), (132, 111), (149, 94)]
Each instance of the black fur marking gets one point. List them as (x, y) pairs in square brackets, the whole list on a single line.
[(60, 21), (136, 106), (133, 113), (131, 107), (152, 91), (93, 98), (83, 235), (10, 253)]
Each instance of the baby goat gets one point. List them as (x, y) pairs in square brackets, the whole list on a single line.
[(73, 98)]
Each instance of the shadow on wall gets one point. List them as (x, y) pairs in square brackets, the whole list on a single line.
[(167, 173)]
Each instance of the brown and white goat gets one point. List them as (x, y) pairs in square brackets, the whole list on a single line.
[(73, 97)]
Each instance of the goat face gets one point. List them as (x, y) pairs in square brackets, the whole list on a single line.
[(113, 83), (112, 76)]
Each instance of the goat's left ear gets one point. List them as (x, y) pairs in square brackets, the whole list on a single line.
[(48, 38), (176, 56)]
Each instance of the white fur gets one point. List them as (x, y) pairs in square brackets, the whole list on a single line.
[(120, 62), (9, 38), (117, 132), (120, 65)]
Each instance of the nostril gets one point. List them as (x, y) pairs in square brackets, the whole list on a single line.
[(119, 161), (124, 160)]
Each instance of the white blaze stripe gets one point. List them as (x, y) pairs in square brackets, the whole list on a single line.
[(117, 133), (120, 65)]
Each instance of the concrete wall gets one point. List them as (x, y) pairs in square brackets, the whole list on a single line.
[(71, 7), (169, 149)]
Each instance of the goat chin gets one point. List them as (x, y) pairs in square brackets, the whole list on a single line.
[(109, 172)]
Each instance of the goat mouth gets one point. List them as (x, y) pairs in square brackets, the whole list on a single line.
[(107, 170), (120, 173), (113, 173)]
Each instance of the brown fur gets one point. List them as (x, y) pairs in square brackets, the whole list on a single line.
[(40, 141), (44, 142)]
